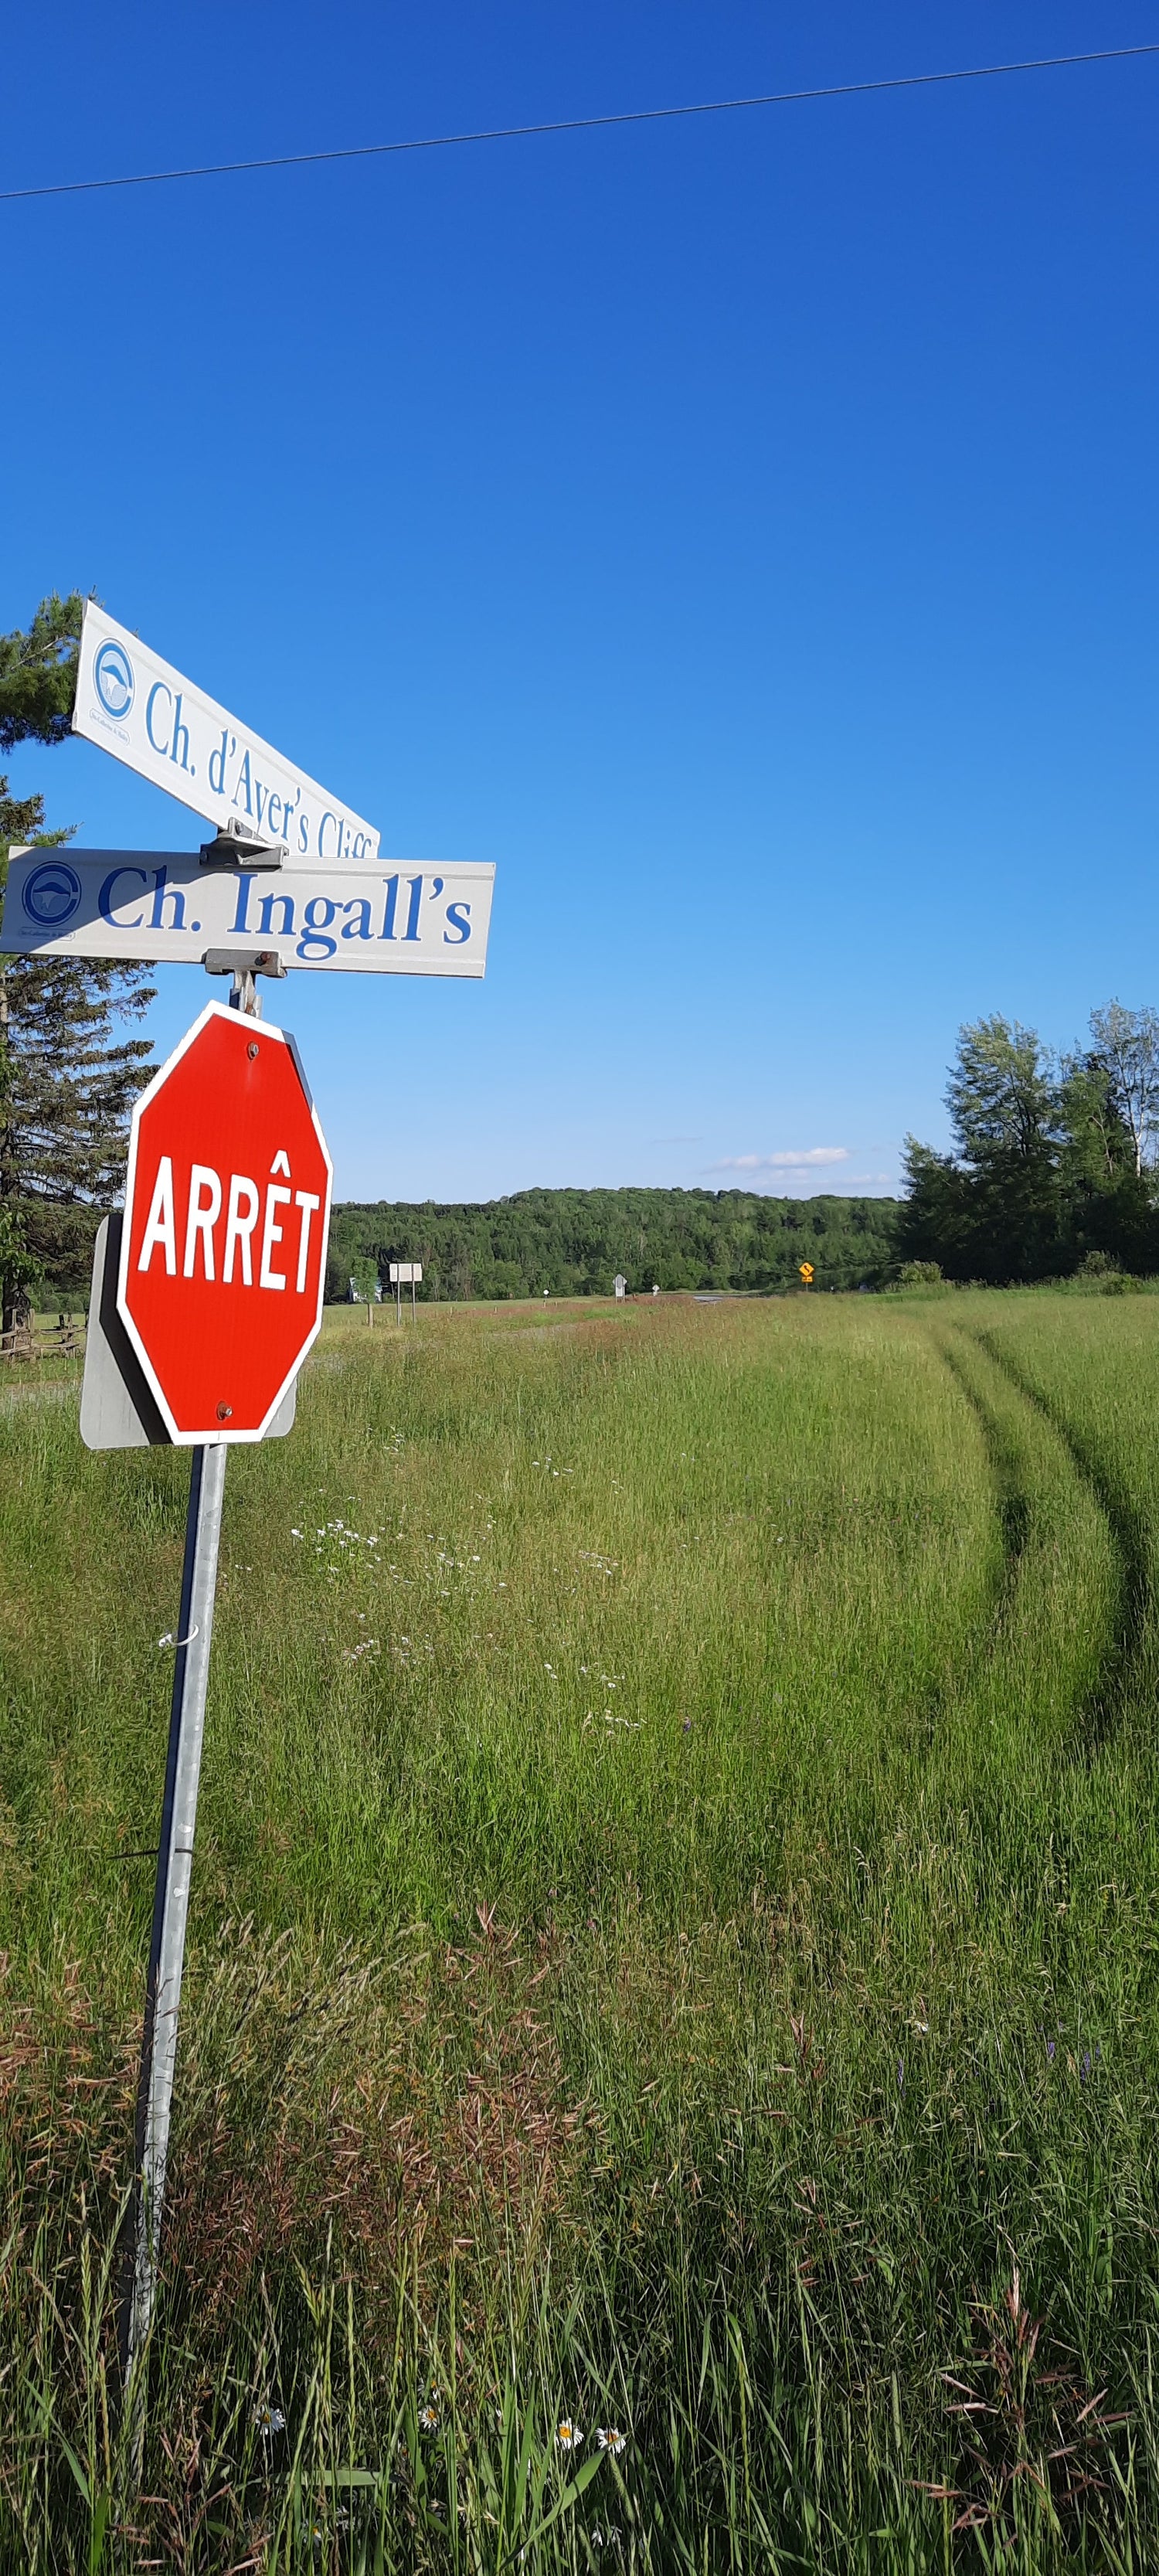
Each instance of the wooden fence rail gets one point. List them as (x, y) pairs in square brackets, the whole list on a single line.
[(36, 1341)]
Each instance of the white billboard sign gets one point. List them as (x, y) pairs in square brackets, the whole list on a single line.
[(140, 709), (164, 906), (405, 1273)]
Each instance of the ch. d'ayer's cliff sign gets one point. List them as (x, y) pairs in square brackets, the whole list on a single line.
[(145, 713)]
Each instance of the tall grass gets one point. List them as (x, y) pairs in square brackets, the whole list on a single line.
[(672, 1950)]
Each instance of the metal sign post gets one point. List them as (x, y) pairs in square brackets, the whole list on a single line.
[(170, 1915), (400, 1273), (222, 1094), (227, 1192)]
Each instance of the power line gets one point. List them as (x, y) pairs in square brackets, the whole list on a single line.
[(573, 124)]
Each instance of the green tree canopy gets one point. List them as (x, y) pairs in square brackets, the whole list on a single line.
[(574, 1241), (38, 675), (1047, 1165), (1126, 1043), (69, 1069)]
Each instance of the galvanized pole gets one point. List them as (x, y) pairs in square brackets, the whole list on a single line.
[(171, 1897), (170, 1914)]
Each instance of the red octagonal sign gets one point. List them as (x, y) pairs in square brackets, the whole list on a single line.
[(223, 1249)]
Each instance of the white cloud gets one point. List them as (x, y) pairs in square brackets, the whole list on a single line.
[(813, 1158)]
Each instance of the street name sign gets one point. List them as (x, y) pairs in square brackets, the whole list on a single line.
[(134, 705), (168, 906), (223, 1245)]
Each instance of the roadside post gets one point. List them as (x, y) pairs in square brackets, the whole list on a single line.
[(208, 1290), (806, 1271), (403, 1274), (220, 1279)]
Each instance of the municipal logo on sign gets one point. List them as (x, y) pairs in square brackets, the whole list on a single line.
[(52, 894), (113, 674)]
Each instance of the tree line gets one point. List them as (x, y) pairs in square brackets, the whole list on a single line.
[(1052, 1166), (573, 1242)]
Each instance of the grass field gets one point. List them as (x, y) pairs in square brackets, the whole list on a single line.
[(674, 1948)]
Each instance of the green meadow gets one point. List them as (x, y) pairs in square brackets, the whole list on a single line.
[(673, 1951)]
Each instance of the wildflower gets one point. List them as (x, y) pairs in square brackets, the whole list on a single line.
[(1050, 2048), (429, 2417), (901, 2075), (269, 2420), (611, 2439), (568, 2435)]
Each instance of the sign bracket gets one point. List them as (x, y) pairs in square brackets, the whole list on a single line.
[(233, 848), (243, 964)]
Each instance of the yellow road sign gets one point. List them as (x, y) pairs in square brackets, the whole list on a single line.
[(806, 1270)]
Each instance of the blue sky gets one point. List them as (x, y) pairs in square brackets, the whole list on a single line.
[(742, 531)]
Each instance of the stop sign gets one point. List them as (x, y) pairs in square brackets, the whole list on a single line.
[(223, 1247)]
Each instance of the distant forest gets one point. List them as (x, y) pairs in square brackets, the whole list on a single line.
[(573, 1242), (1053, 1170)]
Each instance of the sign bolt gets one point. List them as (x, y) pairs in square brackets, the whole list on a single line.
[(224, 1412), (252, 1049)]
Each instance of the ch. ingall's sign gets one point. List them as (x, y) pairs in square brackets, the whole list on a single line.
[(140, 709), (165, 907)]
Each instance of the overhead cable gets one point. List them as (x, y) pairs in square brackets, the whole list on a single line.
[(572, 124)]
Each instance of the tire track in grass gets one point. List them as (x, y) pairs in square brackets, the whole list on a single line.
[(1015, 1510), (1051, 1656), (1014, 1515), (1121, 1665)]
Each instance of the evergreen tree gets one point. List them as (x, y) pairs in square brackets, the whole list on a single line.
[(68, 1071), (38, 675)]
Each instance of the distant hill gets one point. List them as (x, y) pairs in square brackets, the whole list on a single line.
[(574, 1241)]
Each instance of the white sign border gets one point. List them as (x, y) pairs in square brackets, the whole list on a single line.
[(216, 1438)]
